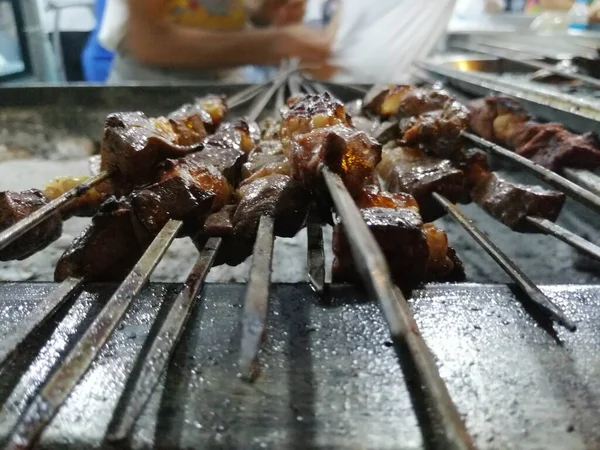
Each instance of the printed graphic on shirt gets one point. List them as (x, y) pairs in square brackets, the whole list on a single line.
[(214, 14)]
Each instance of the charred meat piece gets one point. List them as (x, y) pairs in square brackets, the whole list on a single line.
[(399, 234), (492, 117), (177, 197), (350, 153), (240, 133), (216, 107), (439, 132), (510, 202), (133, 146), (373, 197), (86, 204), (268, 159), (403, 101), (15, 206), (526, 131), (190, 123), (443, 263), (205, 176), (556, 148), (278, 196), (107, 250), (311, 112), (409, 170), (475, 167)]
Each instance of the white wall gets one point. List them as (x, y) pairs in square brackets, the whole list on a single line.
[(72, 19)]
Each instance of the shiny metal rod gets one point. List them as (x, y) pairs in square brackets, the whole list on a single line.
[(14, 232), (256, 303), (63, 380), (566, 236), (533, 293), (534, 64), (446, 423), (164, 343), (584, 178), (573, 190)]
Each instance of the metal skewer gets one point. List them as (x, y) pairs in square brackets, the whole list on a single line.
[(584, 178), (165, 342), (566, 236), (14, 232), (538, 298), (256, 303), (534, 64), (574, 191), (450, 431), (57, 388), (63, 380)]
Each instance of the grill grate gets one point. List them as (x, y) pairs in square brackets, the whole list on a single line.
[(441, 417)]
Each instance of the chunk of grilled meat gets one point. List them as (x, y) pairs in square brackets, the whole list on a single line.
[(278, 196), (227, 150), (504, 120), (373, 197), (399, 234), (409, 170), (492, 117), (403, 101), (133, 146), (510, 202), (439, 131), (350, 153), (189, 124), (188, 193), (443, 263), (474, 165), (267, 159), (310, 112), (86, 204), (556, 148), (15, 206), (216, 107), (107, 250)]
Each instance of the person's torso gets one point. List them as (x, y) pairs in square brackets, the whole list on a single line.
[(210, 14)]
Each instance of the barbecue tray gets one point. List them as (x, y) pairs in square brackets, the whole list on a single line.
[(330, 377), (483, 75)]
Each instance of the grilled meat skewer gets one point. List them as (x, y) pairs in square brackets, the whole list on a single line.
[(505, 121), (133, 145)]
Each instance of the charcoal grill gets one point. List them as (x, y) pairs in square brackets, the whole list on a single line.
[(329, 375)]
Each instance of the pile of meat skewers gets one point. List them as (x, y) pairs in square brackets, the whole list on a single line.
[(392, 150)]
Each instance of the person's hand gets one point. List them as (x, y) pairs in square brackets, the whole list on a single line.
[(309, 45)]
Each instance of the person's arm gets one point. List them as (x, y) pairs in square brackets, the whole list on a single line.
[(152, 39), (276, 12)]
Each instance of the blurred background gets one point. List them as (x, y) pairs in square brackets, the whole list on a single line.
[(56, 41)]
